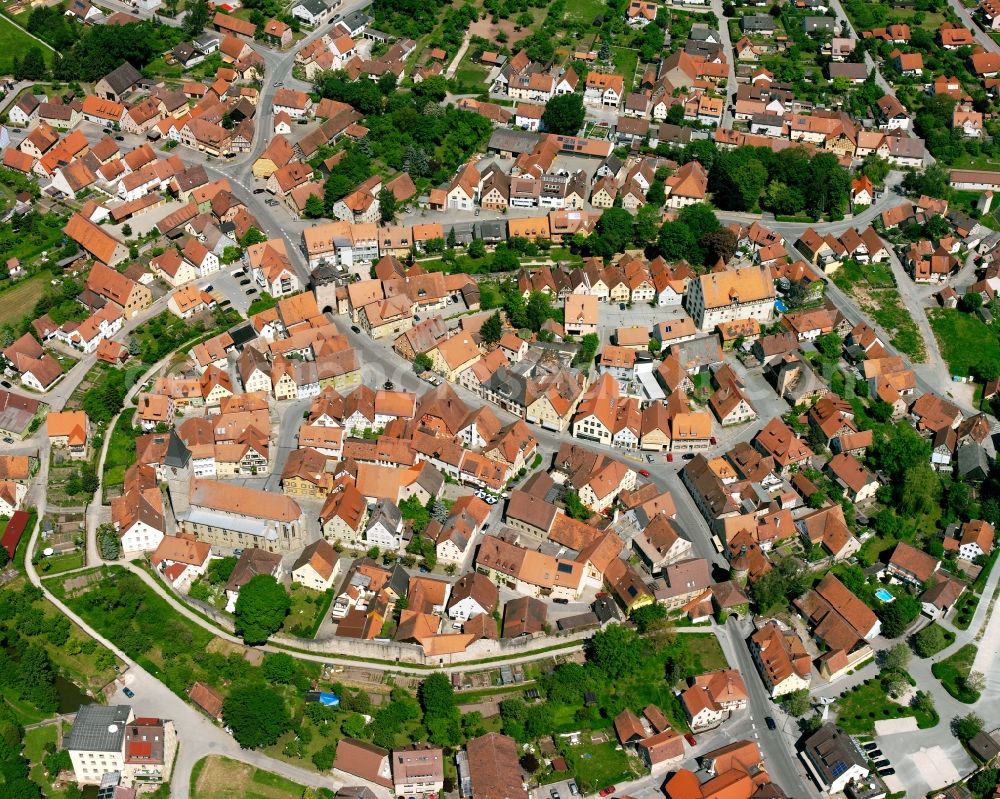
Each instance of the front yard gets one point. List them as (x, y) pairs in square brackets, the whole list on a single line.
[(953, 671), (859, 708), (599, 765), (966, 342)]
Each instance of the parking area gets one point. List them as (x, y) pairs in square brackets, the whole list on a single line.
[(235, 284), (565, 789)]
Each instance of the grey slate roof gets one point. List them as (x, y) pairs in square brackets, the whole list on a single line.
[(99, 728), (123, 78)]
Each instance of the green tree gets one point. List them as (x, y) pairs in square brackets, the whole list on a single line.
[(564, 114), (261, 608), (575, 507), (256, 714), (616, 650), (279, 667), (197, 18), (649, 617), (967, 727), (441, 715), (538, 310), (220, 570), (476, 249), (719, 245), (676, 242), (895, 658), (422, 363), (797, 702), (323, 758), (314, 208), (930, 640), (108, 542), (492, 329)]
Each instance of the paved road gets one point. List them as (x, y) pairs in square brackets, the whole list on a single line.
[(727, 49), (199, 735), (777, 746), (983, 39)]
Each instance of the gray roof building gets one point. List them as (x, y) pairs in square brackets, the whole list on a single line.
[(754, 23), (510, 140), (99, 728), (813, 24)]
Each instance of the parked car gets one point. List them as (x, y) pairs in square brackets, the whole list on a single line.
[(119, 138), (607, 791), (869, 746), (245, 281), (208, 288), (259, 191), (621, 306), (883, 763), (554, 793), (770, 723), (688, 456), (5, 383), (670, 457), (644, 472), (875, 753), (563, 601), (128, 692), (573, 789), (886, 772), (713, 441), (689, 737), (9, 440), (355, 329)]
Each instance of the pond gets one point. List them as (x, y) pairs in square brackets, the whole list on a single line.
[(70, 695)]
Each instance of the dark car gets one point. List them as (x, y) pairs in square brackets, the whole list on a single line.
[(561, 601), (868, 746), (621, 306), (245, 281), (5, 383), (388, 385), (688, 456), (886, 772), (770, 723), (259, 191), (251, 291), (883, 763), (128, 692), (875, 754), (355, 329), (119, 138)]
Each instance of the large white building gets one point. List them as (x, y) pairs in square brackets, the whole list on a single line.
[(718, 297)]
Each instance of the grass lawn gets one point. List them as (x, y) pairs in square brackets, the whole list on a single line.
[(598, 765), (162, 69), (15, 42), (585, 11), (952, 672), (21, 297), (949, 638), (896, 319), (625, 64), (964, 610), (859, 708), (964, 339), (121, 450), (217, 777), (875, 275), (471, 76), (307, 605), (61, 563), (706, 651)]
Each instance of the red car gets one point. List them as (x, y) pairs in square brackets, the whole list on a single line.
[(690, 739), (670, 457), (644, 472), (607, 791), (714, 442)]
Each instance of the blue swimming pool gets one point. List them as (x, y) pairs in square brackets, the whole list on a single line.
[(884, 596)]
